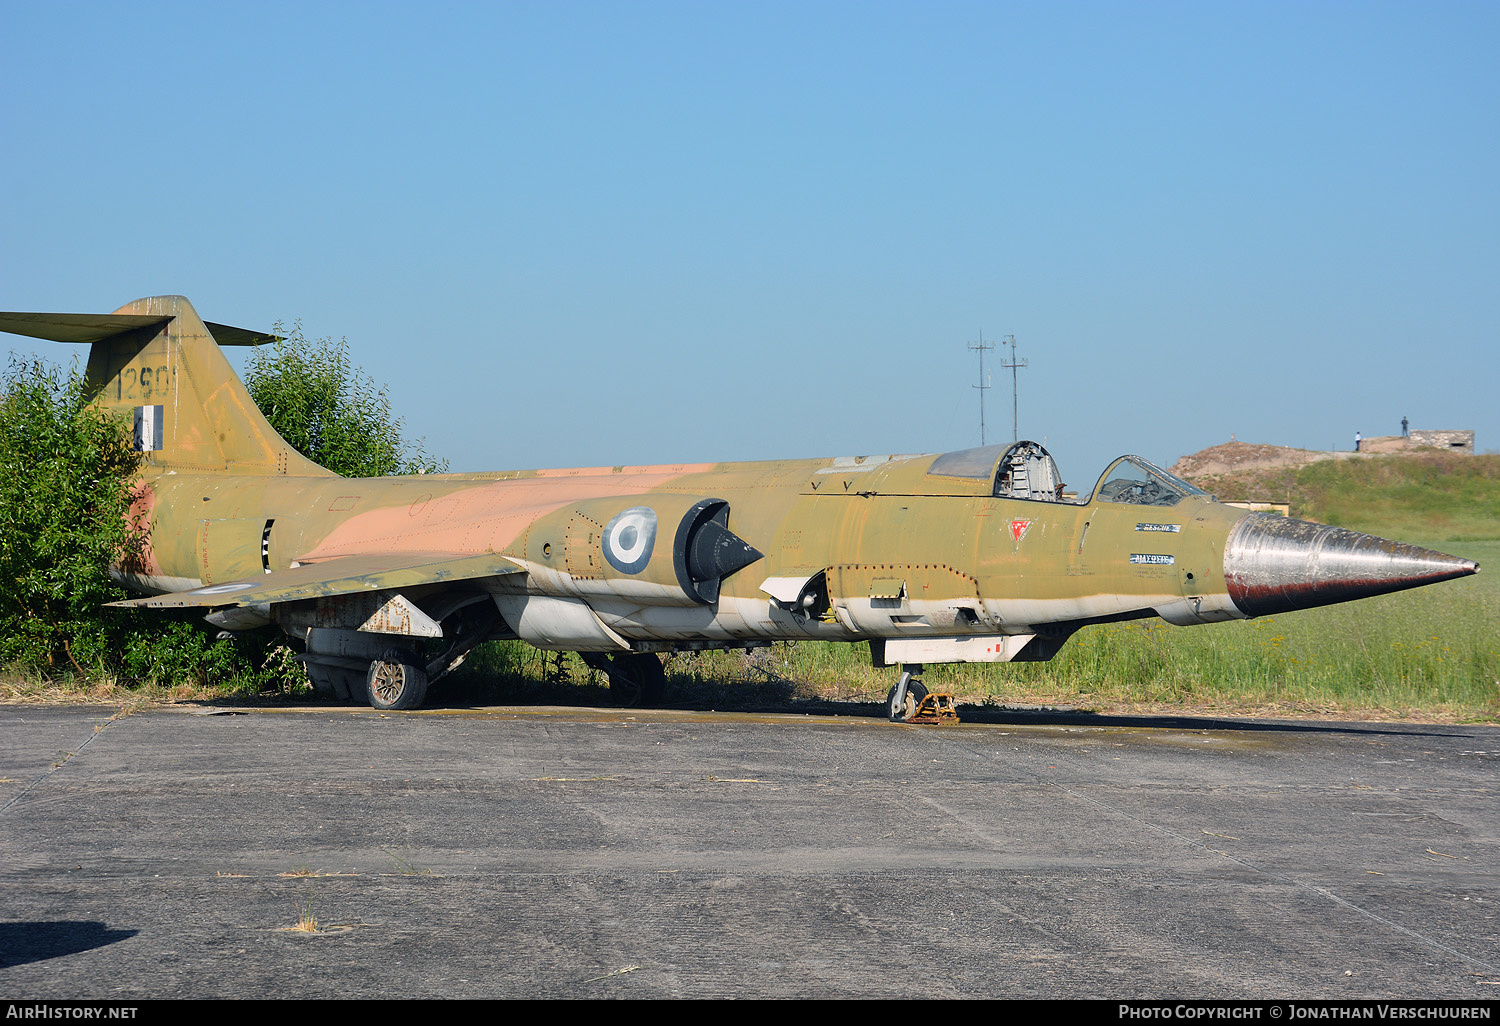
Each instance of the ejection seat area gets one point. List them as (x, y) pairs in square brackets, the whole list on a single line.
[(1024, 470)]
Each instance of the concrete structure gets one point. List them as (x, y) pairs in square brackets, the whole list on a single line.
[(1453, 440)]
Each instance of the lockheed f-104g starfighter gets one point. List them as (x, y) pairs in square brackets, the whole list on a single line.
[(967, 556)]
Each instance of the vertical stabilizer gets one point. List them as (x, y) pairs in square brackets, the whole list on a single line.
[(160, 366)]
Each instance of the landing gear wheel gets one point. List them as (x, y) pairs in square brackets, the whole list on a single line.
[(397, 680), (637, 679), (902, 700)]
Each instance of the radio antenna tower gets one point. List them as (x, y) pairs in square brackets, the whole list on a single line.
[(1015, 391), (981, 347)]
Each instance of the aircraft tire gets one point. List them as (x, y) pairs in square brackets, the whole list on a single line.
[(915, 692), (638, 679), (397, 680)]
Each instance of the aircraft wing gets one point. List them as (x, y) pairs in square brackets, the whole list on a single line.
[(346, 575)]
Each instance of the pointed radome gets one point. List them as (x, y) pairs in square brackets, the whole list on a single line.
[(1273, 564)]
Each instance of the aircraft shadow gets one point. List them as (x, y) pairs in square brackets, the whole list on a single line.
[(777, 695), (21, 943), (1003, 716)]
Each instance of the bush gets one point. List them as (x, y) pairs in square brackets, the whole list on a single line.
[(66, 490), (329, 411), (67, 474), (65, 495)]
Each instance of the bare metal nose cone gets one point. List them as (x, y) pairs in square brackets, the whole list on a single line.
[(1274, 564)]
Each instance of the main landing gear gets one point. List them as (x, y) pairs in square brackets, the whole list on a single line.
[(397, 680), (354, 665), (635, 678)]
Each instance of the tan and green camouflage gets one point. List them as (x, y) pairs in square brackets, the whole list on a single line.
[(972, 556)]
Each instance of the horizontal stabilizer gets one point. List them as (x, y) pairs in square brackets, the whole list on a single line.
[(65, 327), (228, 336), (345, 576)]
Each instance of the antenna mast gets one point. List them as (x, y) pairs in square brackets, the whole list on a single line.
[(981, 347), (1015, 391)]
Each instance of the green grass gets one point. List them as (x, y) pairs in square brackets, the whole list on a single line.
[(1448, 497), (1402, 497)]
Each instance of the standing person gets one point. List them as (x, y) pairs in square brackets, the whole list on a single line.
[(1356, 441), (1405, 432)]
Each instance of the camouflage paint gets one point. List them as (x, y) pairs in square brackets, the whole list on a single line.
[(927, 557)]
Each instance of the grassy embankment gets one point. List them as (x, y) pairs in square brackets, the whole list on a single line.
[(1430, 653)]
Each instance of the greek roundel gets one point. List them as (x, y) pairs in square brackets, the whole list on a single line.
[(629, 538)]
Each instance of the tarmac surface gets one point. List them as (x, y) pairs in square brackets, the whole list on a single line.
[(560, 852)]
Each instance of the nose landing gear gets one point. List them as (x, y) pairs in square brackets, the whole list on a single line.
[(903, 699), (910, 702)]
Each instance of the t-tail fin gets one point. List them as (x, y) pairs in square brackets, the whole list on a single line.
[(160, 366)]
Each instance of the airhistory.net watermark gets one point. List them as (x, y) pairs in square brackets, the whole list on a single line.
[(46, 1010)]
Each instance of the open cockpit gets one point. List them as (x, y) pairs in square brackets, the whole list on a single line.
[(1026, 470)]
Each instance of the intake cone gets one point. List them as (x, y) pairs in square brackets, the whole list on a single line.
[(716, 552), (1274, 564)]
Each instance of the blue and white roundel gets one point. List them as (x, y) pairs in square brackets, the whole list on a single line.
[(628, 539)]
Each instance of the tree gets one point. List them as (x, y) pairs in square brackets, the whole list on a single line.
[(67, 484), (330, 411), (66, 472), (67, 490)]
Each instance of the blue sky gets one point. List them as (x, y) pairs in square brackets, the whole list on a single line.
[(571, 233)]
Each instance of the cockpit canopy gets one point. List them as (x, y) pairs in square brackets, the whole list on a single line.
[(1026, 470), (1139, 482)]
